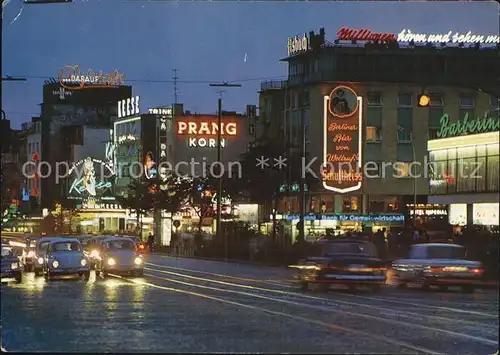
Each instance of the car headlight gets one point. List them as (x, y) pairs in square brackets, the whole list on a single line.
[(55, 263), (94, 254), (31, 254), (138, 261), (40, 260), (14, 266), (111, 262), (83, 262)]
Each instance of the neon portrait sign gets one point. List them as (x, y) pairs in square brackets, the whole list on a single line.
[(342, 140), (86, 183)]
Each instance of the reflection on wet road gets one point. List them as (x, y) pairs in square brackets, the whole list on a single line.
[(187, 305)]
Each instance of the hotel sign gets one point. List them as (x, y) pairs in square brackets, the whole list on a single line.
[(71, 78), (467, 125), (342, 140)]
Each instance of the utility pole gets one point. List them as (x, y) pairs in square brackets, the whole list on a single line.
[(175, 78), (219, 139)]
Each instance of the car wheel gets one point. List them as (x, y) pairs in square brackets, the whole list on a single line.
[(19, 278), (28, 268), (468, 289), (38, 272), (86, 275), (47, 276)]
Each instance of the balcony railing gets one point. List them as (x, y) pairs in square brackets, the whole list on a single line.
[(273, 85)]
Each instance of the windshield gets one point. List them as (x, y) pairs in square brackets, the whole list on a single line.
[(446, 252), (7, 252), (66, 246), (42, 247), (120, 245), (363, 249)]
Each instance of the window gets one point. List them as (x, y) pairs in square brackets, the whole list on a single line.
[(436, 100), (37, 147), (402, 170), (373, 134), (405, 100), (404, 136), (373, 169), (492, 177), (480, 173), (466, 181), (405, 152), (29, 149), (466, 101), (433, 133), (494, 102), (374, 98)]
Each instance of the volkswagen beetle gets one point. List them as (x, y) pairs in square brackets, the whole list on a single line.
[(119, 255), (65, 257), (11, 268)]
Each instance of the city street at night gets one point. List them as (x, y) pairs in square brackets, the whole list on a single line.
[(190, 305)]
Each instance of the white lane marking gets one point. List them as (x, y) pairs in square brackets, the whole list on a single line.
[(276, 283), (380, 309), (379, 319), (281, 314), (489, 315)]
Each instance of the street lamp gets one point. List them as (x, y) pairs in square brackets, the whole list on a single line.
[(219, 138)]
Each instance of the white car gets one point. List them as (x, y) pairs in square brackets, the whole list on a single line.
[(65, 257), (436, 264), (119, 255)]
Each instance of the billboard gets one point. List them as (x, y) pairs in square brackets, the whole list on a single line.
[(342, 140)]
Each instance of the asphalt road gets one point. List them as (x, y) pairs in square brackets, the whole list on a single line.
[(188, 305)]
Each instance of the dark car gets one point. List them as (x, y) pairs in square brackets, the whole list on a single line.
[(10, 265), (350, 262)]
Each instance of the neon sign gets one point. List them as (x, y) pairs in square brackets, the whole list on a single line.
[(71, 78), (86, 183), (297, 45), (349, 34), (160, 111), (466, 126), (342, 140), (149, 166), (204, 132), (129, 107)]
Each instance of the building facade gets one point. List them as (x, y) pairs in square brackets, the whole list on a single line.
[(384, 81)]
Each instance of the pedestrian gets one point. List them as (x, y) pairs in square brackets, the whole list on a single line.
[(416, 236), (151, 240)]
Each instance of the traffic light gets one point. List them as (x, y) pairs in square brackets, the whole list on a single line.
[(423, 100)]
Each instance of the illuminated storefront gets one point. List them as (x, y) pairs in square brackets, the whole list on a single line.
[(464, 170)]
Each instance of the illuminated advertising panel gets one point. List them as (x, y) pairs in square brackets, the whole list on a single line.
[(342, 140), (203, 133), (91, 179)]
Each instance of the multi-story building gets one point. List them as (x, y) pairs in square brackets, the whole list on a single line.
[(382, 82)]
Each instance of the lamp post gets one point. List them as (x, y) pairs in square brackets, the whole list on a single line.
[(219, 138)]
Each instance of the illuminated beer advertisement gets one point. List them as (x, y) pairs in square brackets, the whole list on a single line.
[(204, 133), (342, 140), (90, 178)]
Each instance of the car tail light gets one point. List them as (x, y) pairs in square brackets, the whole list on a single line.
[(477, 271), (436, 269)]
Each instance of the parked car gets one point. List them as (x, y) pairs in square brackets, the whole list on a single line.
[(119, 255), (10, 265), (65, 256), (39, 254), (345, 261), (438, 264)]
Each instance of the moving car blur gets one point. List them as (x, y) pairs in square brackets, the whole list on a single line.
[(436, 264)]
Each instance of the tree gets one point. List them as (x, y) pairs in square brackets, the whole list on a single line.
[(63, 217), (267, 183), (202, 191), (138, 200)]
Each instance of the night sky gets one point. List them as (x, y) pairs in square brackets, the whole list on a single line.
[(205, 41)]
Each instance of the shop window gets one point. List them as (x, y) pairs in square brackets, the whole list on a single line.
[(450, 175), (374, 98), (373, 134), (466, 177), (402, 170), (492, 178), (350, 204), (438, 179), (377, 206), (466, 101), (405, 100), (481, 173)]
